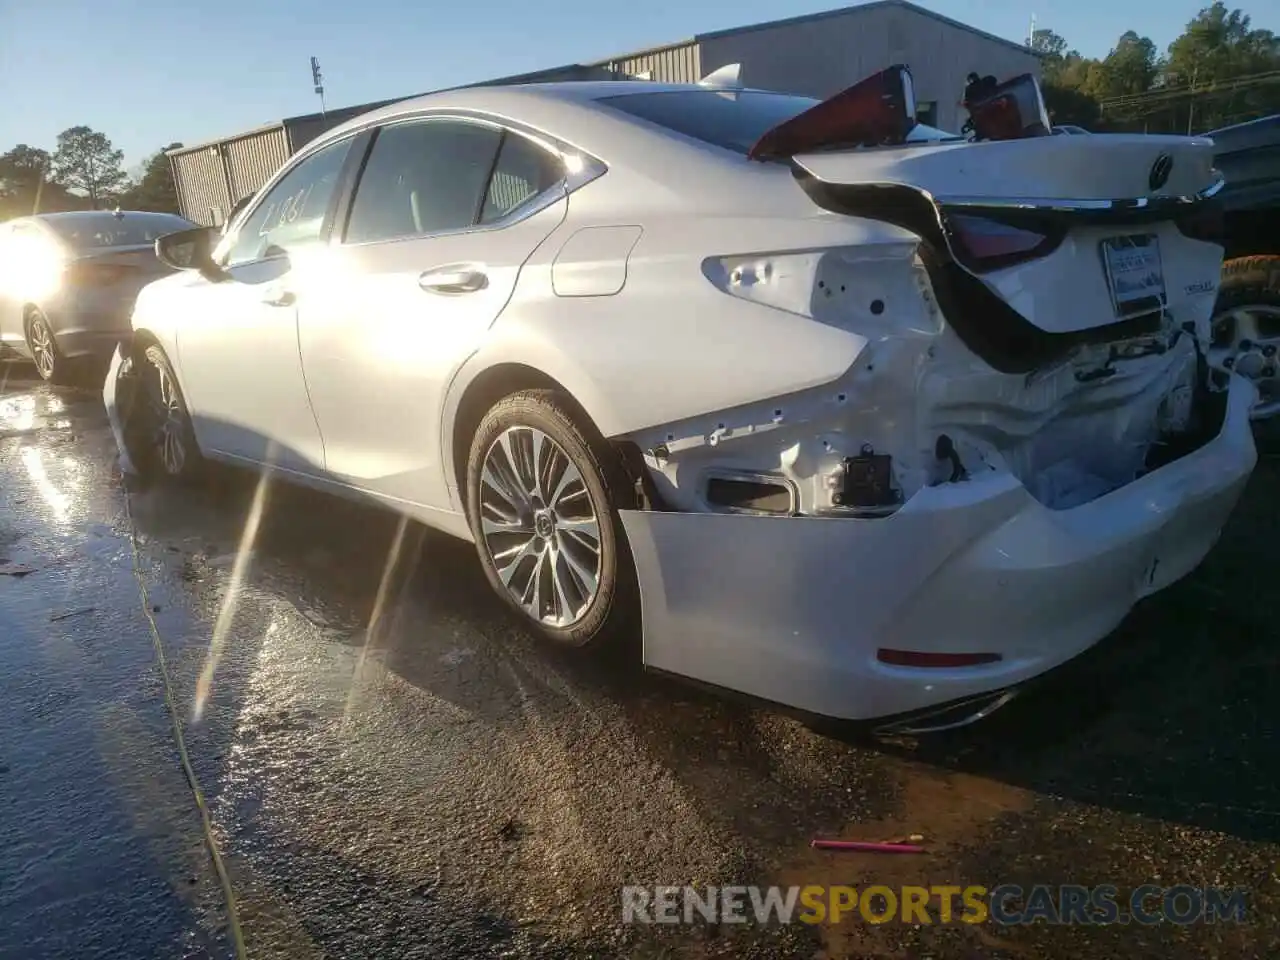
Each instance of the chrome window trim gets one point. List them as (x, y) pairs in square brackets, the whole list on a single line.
[(228, 239), (534, 205), (591, 166)]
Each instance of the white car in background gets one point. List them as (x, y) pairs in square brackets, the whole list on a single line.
[(851, 416)]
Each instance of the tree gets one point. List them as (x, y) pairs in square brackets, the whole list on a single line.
[(1064, 73), (1220, 45), (25, 187), (1056, 57), (1049, 43), (86, 162), (1130, 68), (1070, 105), (155, 189)]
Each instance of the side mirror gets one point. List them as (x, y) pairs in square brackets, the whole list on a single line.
[(191, 250), (235, 212)]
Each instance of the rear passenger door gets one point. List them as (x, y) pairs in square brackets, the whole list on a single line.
[(441, 219)]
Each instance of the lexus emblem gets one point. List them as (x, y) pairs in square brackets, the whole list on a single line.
[(1160, 171)]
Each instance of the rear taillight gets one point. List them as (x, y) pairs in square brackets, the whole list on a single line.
[(877, 111), (1006, 111), (983, 244)]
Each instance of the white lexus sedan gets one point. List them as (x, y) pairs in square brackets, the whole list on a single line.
[(846, 414)]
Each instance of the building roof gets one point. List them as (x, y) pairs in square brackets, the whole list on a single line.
[(823, 15), (205, 145)]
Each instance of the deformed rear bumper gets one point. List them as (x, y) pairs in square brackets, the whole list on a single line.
[(794, 609)]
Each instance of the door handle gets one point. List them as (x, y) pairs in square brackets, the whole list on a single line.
[(276, 297), (453, 280)]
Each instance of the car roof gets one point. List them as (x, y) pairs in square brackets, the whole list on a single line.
[(545, 105), (73, 215)]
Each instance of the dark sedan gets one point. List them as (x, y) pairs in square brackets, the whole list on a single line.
[(68, 282)]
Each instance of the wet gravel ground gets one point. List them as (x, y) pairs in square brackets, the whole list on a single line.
[(392, 770)]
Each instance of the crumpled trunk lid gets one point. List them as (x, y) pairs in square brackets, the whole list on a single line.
[(1040, 245), (1078, 285), (1103, 167)]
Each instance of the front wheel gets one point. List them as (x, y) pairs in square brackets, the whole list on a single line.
[(543, 494), (159, 422)]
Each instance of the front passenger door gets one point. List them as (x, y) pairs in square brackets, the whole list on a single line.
[(238, 343)]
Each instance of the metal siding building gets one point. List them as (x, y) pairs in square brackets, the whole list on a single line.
[(816, 55), (820, 55), (674, 63), (823, 53)]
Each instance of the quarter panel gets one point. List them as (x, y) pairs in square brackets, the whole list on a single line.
[(671, 345)]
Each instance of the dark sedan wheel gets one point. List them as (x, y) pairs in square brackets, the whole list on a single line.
[(164, 433), (50, 363), (543, 494)]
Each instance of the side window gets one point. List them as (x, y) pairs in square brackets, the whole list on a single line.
[(422, 177), (292, 214), (523, 171)]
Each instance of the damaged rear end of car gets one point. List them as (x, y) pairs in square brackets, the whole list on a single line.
[(1028, 441)]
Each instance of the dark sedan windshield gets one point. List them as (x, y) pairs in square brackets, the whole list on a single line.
[(86, 231), (734, 119)]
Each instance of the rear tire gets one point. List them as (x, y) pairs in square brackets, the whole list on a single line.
[(543, 493), (52, 366)]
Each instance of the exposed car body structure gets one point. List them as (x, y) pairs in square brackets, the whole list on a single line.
[(68, 282), (881, 431), (1246, 325)]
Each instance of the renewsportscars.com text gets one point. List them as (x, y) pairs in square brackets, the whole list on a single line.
[(1006, 904)]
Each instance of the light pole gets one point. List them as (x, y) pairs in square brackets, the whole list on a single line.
[(317, 81)]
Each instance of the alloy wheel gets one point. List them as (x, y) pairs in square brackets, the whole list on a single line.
[(541, 530), (43, 351), (1246, 340), (169, 437)]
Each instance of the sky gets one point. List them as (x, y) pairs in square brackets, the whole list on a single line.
[(150, 72)]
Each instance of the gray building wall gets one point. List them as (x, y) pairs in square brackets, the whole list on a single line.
[(302, 130), (200, 177), (820, 55), (251, 160), (676, 63)]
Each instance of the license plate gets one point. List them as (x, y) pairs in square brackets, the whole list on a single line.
[(1135, 274)]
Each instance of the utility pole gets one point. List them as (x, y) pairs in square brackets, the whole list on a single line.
[(41, 172), (317, 81), (1191, 103), (1031, 35)]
